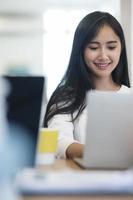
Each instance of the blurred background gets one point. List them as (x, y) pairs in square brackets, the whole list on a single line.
[(36, 35)]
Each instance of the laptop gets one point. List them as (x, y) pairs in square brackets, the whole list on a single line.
[(24, 104), (109, 131)]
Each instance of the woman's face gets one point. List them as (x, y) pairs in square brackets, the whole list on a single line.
[(102, 54)]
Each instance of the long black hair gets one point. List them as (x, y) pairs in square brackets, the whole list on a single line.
[(69, 96)]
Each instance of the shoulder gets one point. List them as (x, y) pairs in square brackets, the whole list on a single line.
[(60, 120), (124, 89)]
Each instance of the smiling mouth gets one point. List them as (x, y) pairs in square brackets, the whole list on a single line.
[(102, 66)]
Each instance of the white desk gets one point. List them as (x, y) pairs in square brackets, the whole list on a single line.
[(69, 164)]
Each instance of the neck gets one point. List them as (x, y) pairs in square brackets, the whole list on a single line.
[(105, 84)]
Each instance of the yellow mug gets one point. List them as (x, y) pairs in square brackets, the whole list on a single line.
[(47, 145)]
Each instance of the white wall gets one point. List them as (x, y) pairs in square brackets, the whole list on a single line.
[(21, 43), (127, 23), (21, 36), (22, 6)]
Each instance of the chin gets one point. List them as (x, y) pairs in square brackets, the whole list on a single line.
[(103, 74)]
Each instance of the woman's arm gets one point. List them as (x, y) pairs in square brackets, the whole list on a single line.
[(74, 150), (63, 123)]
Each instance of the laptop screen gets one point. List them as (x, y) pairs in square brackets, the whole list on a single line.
[(23, 115)]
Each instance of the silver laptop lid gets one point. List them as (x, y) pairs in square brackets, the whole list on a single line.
[(109, 130)]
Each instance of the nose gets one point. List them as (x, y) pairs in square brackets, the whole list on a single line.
[(103, 54)]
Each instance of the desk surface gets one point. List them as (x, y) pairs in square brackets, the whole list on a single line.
[(69, 164)]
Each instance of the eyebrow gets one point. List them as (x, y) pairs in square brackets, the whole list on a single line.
[(109, 42)]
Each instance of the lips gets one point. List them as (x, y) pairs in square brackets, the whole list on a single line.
[(103, 66)]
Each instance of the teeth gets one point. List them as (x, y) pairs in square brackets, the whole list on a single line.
[(102, 64)]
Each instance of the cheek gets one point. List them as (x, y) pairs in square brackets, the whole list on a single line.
[(89, 56), (116, 56)]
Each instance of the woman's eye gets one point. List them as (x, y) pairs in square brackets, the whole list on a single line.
[(93, 48), (111, 48)]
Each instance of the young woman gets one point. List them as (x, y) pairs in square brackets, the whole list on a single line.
[(98, 61)]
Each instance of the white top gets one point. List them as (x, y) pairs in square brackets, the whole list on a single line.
[(70, 132)]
